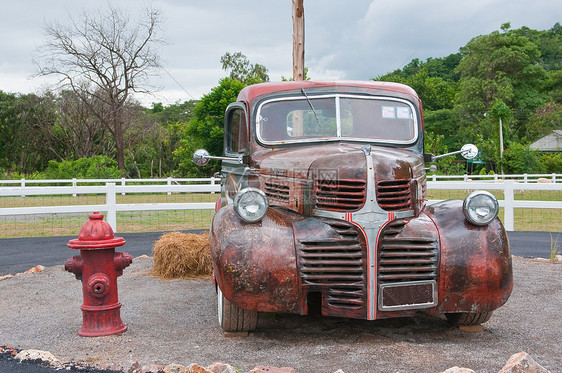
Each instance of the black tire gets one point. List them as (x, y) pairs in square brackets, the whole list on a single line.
[(233, 318), (468, 318)]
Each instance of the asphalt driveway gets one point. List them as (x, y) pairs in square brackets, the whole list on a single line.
[(20, 254)]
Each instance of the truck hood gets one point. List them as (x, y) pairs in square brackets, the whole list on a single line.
[(341, 160)]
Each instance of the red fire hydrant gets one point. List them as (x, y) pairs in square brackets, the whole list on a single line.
[(98, 266)]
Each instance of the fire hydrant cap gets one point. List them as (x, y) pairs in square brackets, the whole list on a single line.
[(96, 234)]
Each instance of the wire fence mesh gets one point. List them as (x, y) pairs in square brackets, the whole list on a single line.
[(69, 224)]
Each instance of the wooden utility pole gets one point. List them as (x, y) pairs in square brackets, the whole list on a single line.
[(298, 40)]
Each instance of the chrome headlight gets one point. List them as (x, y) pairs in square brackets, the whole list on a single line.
[(251, 205), (480, 207)]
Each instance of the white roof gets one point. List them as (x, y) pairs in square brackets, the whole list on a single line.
[(550, 143)]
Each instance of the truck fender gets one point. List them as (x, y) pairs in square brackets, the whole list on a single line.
[(255, 264), (475, 272)]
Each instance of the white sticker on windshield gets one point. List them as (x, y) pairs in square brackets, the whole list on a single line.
[(403, 112), (388, 112)]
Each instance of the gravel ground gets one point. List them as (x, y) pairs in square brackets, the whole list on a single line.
[(175, 322)]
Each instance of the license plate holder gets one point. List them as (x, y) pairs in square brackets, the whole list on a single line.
[(407, 295)]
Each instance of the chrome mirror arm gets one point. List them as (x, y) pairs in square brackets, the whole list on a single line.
[(468, 151), (201, 157)]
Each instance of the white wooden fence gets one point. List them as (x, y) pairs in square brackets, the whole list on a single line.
[(210, 185), (110, 189), (524, 178), (509, 188)]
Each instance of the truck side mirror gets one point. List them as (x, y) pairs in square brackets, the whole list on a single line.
[(468, 151), (201, 157)]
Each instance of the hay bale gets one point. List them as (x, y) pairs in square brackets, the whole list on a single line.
[(182, 255)]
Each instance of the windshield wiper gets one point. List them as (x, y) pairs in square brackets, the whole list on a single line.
[(312, 107)]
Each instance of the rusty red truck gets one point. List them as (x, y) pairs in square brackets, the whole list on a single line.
[(324, 208)]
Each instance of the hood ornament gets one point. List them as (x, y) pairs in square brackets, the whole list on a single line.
[(366, 149)]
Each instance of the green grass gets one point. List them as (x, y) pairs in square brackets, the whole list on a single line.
[(173, 220), (545, 220), (554, 247), (127, 222), (33, 201)]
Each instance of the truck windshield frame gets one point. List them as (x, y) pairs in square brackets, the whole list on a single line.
[(336, 117)]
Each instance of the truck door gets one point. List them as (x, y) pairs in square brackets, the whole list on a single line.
[(236, 143)]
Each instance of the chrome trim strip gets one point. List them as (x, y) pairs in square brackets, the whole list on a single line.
[(338, 119)]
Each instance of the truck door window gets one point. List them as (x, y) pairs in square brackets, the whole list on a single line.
[(237, 132)]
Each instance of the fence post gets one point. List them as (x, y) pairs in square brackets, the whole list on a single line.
[(123, 184), (111, 202), (554, 178), (525, 178), (213, 183), (169, 182), (73, 186), (508, 208), (23, 186)]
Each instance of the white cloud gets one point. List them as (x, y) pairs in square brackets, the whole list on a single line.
[(357, 39)]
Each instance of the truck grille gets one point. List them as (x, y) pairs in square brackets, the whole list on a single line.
[(340, 195), (336, 265), (394, 195), (404, 259), (277, 191)]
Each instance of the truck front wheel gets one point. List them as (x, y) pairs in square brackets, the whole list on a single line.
[(468, 318), (233, 318)]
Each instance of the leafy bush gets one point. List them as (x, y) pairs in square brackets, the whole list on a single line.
[(552, 163), (97, 167), (520, 159)]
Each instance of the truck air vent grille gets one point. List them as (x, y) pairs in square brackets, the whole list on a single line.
[(394, 195), (340, 195), (406, 258), (277, 191), (335, 264)]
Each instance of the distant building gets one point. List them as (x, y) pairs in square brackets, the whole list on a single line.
[(550, 143)]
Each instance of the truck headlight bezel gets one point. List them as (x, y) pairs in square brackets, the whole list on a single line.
[(480, 207), (251, 204)]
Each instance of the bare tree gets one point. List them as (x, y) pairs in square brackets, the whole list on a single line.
[(80, 133), (104, 58)]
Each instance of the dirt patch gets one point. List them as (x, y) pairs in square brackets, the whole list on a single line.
[(175, 321)]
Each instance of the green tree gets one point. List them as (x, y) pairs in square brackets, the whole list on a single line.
[(242, 70), (552, 163), (519, 159), (177, 112), (206, 129), (445, 123), (543, 121), (549, 43), (154, 156), (96, 167), (515, 73), (444, 68), (554, 85), (23, 148), (501, 66), (500, 113)]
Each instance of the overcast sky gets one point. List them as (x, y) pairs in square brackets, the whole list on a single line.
[(345, 39)]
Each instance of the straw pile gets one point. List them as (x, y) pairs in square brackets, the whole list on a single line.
[(182, 255)]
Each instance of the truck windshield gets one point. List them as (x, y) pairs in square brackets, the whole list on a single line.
[(336, 117)]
